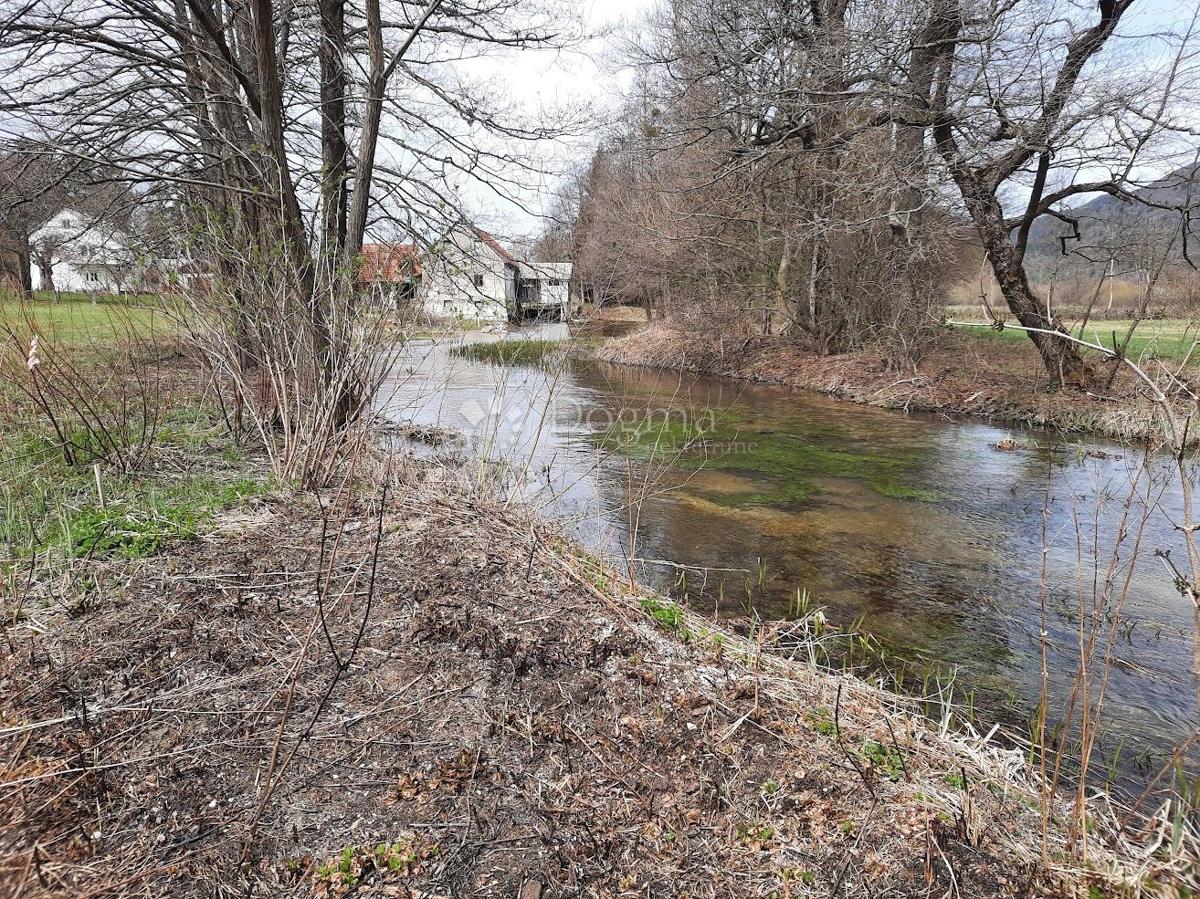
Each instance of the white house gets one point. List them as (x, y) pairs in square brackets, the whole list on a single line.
[(77, 252), (472, 276)]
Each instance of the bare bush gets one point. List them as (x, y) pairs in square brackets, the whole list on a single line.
[(297, 375)]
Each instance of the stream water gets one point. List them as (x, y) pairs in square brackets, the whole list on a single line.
[(918, 529)]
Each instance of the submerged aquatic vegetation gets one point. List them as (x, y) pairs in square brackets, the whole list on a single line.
[(788, 467)]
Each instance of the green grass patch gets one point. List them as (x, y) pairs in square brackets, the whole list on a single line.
[(821, 720), (49, 507), (534, 353), (155, 515), (1167, 338), (755, 833), (886, 760), (668, 615), (363, 865), (85, 321)]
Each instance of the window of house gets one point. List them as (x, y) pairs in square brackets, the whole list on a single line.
[(555, 282), (94, 277), (477, 280)]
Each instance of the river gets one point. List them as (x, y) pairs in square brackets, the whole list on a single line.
[(919, 530)]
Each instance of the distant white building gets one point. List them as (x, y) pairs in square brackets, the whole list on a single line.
[(543, 288), (76, 252), (472, 276), (469, 276)]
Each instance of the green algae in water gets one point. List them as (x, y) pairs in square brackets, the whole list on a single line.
[(787, 495), (650, 438), (793, 463)]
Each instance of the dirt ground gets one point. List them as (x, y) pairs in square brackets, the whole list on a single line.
[(999, 380), (418, 695)]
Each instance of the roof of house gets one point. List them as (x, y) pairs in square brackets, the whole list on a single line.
[(495, 245), (389, 262)]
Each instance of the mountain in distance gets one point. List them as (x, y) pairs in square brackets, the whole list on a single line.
[(1127, 234)]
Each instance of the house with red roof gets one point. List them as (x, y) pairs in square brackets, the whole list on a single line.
[(393, 270)]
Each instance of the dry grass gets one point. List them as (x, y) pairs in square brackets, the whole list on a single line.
[(411, 693)]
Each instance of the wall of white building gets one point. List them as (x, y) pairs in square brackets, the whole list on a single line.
[(554, 293), (468, 279), (70, 278), (545, 288)]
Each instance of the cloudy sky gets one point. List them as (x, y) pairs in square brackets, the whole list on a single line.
[(590, 74)]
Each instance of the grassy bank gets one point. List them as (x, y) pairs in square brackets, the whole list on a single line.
[(82, 320), (1171, 340), (110, 448), (997, 378)]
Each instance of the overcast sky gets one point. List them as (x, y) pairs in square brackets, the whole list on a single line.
[(589, 74)]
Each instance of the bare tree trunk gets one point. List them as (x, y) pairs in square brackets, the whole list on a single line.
[(782, 276), (373, 112), (334, 151), (1059, 355), (25, 273), (45, 265), (814, 267), (980, 184), (377, 80), (294, 235)]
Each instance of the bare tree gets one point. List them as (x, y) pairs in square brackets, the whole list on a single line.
[(760, 128), (1023, 94)]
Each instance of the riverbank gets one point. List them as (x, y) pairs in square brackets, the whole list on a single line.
[(1000, 381), (211, 683), (407, 691)]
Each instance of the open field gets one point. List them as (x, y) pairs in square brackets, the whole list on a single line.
[(1168, 339), (82, 320)]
